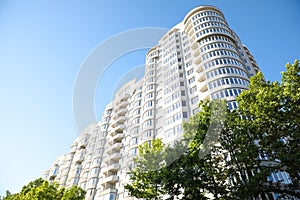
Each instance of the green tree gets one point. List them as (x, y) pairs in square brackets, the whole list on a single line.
[(74, 193), (259, 138), (144, 177), (271, 117), (40, 189), (178, 171)]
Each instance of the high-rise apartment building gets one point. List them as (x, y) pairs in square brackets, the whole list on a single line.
[(200, 58)]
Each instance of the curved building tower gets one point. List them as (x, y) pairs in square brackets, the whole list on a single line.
[(199, 59), (219, 58)]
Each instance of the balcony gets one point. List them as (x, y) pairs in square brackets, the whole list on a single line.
[(120, 120), (123, 104), (73, 148), (110, 168), (115, 147), (202, 78), (107, 191), (78, 158), (194, 45), (196, 53), (197, 60), (113, 124), (200, 69), (121, 112), (119, 128), (118, 137), (189, 26), (112, 132), (125, 97), (111, 179), (52, 177), (204, 88), (113, 157)]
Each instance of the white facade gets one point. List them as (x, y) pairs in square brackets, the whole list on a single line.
[(200, 58)]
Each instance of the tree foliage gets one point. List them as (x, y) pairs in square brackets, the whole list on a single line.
[(260, 138), (144, 176), (40, 189)]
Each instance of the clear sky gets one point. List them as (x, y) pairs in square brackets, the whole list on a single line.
[(44, 43)]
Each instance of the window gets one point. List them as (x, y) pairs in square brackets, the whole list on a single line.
[(133, 151), (149, 87), (94, 170), (149, 103), (131, 164), (83, 185), (147, 134), (149, 95), (147, 123), (133, 141), (177, 116), (148, 113), (137, 111), (194, 100), (184, 114), (135, 130), (190, 71), (177, 129), (138, 103), (168, 133), (188, 64), (96, 161), (139, 95), (92, 181), (193, 89), (136, 120), (78, 170), (191, 80)]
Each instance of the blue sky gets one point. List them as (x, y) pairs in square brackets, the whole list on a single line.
[(44, 43)]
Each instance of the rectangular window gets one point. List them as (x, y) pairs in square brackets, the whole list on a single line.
[(193, 89), (194, 100), (184, 114)]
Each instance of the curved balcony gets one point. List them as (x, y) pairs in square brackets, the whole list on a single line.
[(194, 45), (78, 158), (112, 158), (111, 179), (197, 60), (123, 104), (118, 137), (107, 191), (121, 112), (120, 120), (196, 53), (115, 147), (204, 88), (110, 168), (119, 128), (125, 97), (73, 148), (200, 69), (202, 78)]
